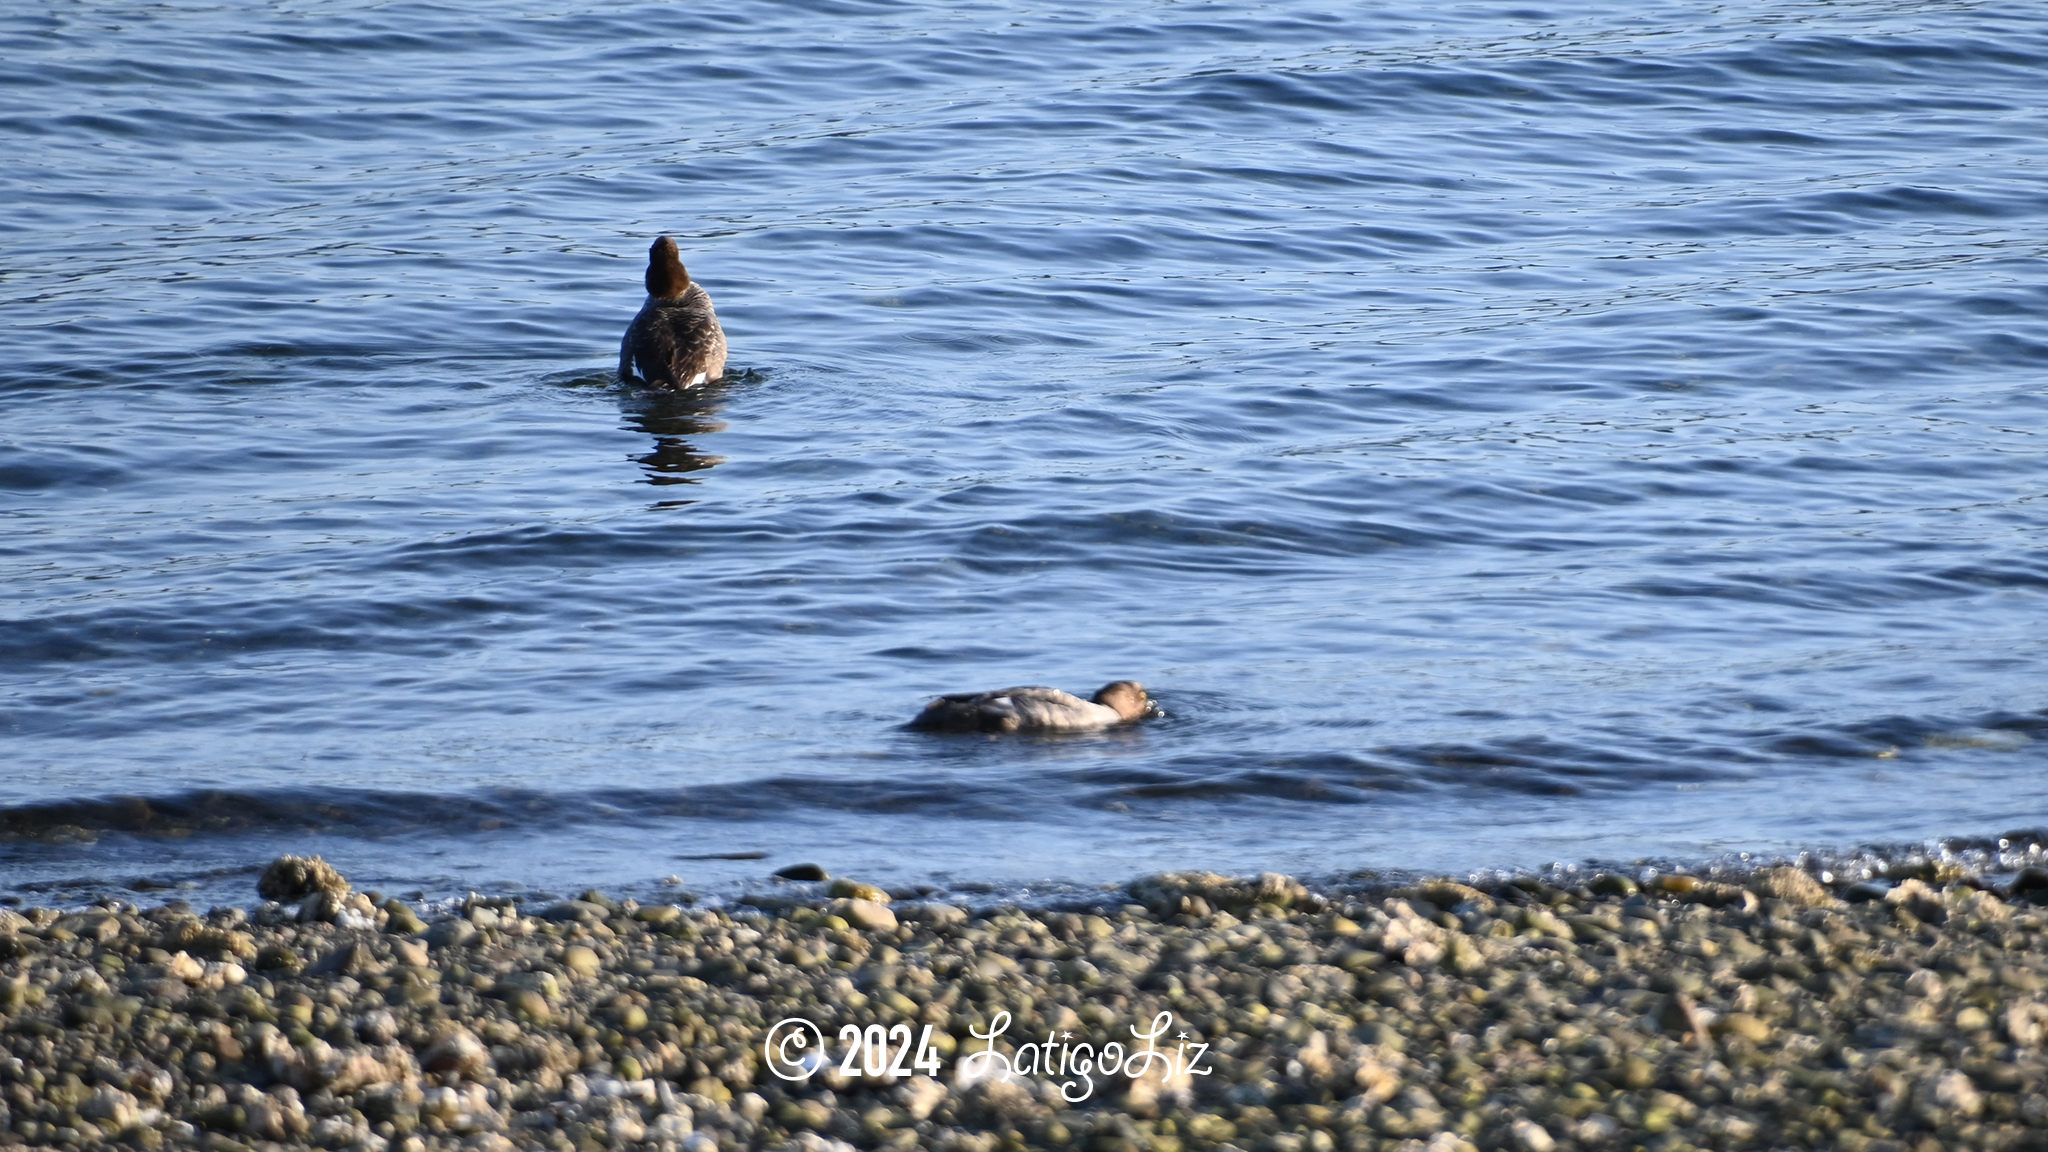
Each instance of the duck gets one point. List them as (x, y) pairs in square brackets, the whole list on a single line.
[(675, 341), (1036, 709)]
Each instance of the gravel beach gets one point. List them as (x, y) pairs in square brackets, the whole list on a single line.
[(1190, 1011)]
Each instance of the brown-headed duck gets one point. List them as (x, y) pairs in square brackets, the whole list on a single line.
[(675, 341), (1037, 710)]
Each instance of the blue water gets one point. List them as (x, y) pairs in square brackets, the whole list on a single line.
[(1499, 433)]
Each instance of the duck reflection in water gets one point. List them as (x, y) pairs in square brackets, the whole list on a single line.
[(672, 418)]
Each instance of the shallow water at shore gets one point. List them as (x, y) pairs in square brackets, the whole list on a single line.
[(1497, 434)]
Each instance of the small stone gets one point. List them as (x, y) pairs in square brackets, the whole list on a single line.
[(403, 920), (529, 1004), (115, 1107), (1613, 884), (1743, 1024), (1531, 1136), (451, 933), (1919, 900), (802, 872), (97, 927), (866, 915), (456, 1050), (937, 915), (581, 961), (541, 983), (293, 878), (855, 890), (378, 1027), (712, 1089), (347, 960)]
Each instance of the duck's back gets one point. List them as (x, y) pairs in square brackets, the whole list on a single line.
[(1029, 709), (675, 343)]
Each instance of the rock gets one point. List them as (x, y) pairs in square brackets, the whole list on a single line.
[(802, 872), (97, 927), (1531, 1136), (1683, 1015), (581, 960), (937, 915), (116, 1108), (378, 1027), (1792, 886), (1613, 884), (866, 915), (529, 1004), (1954, 1092), (347, 960), (855, 890), (1916, 898), (1447, 894), (1200, 893), (451, 933), (293, 878), (2029, 882), (456, 1050), (920, 1096), (539, 982), (403, 920), (1744, 1025)]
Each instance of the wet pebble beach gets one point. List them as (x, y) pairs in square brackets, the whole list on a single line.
[(1781, 1009)]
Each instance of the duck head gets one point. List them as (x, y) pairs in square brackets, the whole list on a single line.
[(666, 277), (1127, 697)]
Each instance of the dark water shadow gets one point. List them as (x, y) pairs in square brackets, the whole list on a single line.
[(673, 418)]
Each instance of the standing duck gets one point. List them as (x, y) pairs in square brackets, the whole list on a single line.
[(675, 341), (1036, 710)]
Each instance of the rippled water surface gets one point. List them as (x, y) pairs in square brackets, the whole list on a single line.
[(1497, 432)]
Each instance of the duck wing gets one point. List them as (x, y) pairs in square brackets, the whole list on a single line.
[(1051, 710)]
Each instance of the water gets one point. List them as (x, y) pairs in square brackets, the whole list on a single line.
[(1499, 433)]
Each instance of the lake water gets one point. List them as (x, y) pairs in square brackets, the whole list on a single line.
[(1498, 433)]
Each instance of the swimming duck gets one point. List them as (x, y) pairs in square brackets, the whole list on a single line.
[(1036, 710), (675, 340)]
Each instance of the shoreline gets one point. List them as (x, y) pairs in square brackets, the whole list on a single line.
[(1760, 1011)]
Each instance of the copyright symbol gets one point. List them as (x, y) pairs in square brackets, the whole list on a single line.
[(794, 1049)]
